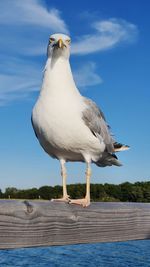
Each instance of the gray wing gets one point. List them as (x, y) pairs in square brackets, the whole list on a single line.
[(95, 120)]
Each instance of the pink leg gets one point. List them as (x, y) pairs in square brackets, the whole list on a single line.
[(65, 197), (85, 202)]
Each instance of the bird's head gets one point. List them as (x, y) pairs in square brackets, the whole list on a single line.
[(59, 45)]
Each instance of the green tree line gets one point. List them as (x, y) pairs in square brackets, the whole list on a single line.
[(126, 192)]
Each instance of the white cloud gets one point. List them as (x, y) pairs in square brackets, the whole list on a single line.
[(5, 99), (15, 83), (107, 34), (31, 12), (86, 75), (18, 79)]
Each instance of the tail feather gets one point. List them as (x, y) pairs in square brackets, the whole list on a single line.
[(120, 147), (108, 160)]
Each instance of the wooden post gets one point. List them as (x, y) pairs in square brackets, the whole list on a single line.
[(44, 223)]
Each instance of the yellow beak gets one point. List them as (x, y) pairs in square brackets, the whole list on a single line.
[(60, 43)]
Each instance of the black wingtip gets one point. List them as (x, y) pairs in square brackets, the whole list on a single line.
[(120, 147)]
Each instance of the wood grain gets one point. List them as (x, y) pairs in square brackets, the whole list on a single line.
[(37, 223)]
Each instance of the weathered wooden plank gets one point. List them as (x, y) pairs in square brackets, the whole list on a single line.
[(33, 223)]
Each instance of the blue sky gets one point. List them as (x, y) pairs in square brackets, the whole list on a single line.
[(110, 60)]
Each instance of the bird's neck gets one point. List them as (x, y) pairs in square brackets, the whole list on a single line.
[(58, 78)]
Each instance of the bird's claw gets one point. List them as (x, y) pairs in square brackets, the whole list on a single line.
[(84, 202), (65, 199)]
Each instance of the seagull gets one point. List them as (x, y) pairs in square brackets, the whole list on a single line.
[(69, 126)]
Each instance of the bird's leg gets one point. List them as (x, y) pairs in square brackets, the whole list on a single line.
[(84, 201), (65, 197), (88, 176), (64, 177)]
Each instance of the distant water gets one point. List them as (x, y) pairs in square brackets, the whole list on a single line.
[(122, 254)]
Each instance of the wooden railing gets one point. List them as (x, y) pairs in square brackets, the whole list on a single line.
[(45, 223)]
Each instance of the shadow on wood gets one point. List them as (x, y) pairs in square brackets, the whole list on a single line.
[(37, 223)]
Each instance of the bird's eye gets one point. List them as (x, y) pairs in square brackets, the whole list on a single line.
[(68, 41), (51, 39)]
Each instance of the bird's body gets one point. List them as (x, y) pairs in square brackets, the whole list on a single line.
[(68, 126), (57, 118)]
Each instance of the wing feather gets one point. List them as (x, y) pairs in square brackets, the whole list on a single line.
[(94, 118)]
